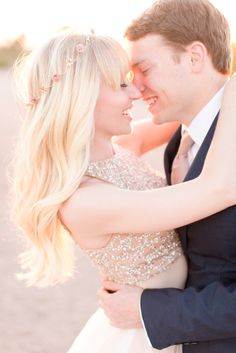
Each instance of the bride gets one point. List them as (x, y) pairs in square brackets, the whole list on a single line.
[(70, 180)]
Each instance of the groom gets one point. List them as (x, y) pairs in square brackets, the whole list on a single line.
[(180, 53)]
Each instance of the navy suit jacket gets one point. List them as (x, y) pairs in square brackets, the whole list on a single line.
[(202, 316)]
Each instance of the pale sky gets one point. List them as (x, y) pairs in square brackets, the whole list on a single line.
[(39, 19)]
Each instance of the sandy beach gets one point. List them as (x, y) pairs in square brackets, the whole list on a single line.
[(39, 320)]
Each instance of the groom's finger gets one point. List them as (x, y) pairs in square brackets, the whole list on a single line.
[(103, 294), (103, 276), (111, 287), (103, 300)]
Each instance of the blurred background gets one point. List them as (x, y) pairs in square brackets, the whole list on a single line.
[(47, 320)]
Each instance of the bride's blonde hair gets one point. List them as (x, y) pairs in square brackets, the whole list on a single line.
[(60, 82)]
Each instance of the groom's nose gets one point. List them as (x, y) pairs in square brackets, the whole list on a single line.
[(135, 92), (137, 81)]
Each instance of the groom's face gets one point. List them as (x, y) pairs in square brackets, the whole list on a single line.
[(163, 76)]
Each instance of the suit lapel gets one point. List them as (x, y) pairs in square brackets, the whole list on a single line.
[(170, 153), (195, 168), (197, 164)]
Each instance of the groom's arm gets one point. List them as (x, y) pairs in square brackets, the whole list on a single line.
[(173, 316), (146, 136)]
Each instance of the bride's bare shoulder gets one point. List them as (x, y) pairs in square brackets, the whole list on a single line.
[(82, 198)]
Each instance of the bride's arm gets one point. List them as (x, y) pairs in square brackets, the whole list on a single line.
[(146, 136), (107, 209)]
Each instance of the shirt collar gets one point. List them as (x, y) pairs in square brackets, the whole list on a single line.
[(203, 120)]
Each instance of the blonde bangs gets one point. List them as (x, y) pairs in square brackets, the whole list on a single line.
[(112, 60)]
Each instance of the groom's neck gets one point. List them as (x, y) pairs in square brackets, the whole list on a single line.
[(203, 97)]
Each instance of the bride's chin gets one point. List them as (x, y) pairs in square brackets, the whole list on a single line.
[(127, 131)]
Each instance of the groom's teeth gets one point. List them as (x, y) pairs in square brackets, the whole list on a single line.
[(151, 100)]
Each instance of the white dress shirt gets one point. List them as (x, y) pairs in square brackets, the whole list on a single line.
[(198, 130), (201, 124)]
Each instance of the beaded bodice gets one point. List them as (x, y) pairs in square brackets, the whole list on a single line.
[(132, 258)]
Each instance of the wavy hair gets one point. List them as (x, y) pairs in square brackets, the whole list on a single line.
[(53, 149)]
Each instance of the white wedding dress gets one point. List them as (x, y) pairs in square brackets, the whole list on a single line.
[(149, 260)]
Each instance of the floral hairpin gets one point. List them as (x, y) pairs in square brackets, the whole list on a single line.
[(79, 49)]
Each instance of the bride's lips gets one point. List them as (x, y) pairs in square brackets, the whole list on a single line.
[(127, 113)]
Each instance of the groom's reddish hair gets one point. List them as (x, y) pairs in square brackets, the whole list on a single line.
[(181, 22)]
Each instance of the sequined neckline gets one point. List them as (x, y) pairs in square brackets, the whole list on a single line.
[(117, 149)]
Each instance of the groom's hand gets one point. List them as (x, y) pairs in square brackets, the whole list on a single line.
[(121, 303)]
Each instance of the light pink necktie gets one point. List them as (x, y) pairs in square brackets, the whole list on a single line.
[(180, 164)]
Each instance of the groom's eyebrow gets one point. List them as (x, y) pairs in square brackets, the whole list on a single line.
[(138, 63)]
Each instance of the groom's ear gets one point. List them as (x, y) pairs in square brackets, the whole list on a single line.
[(197, 56)]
